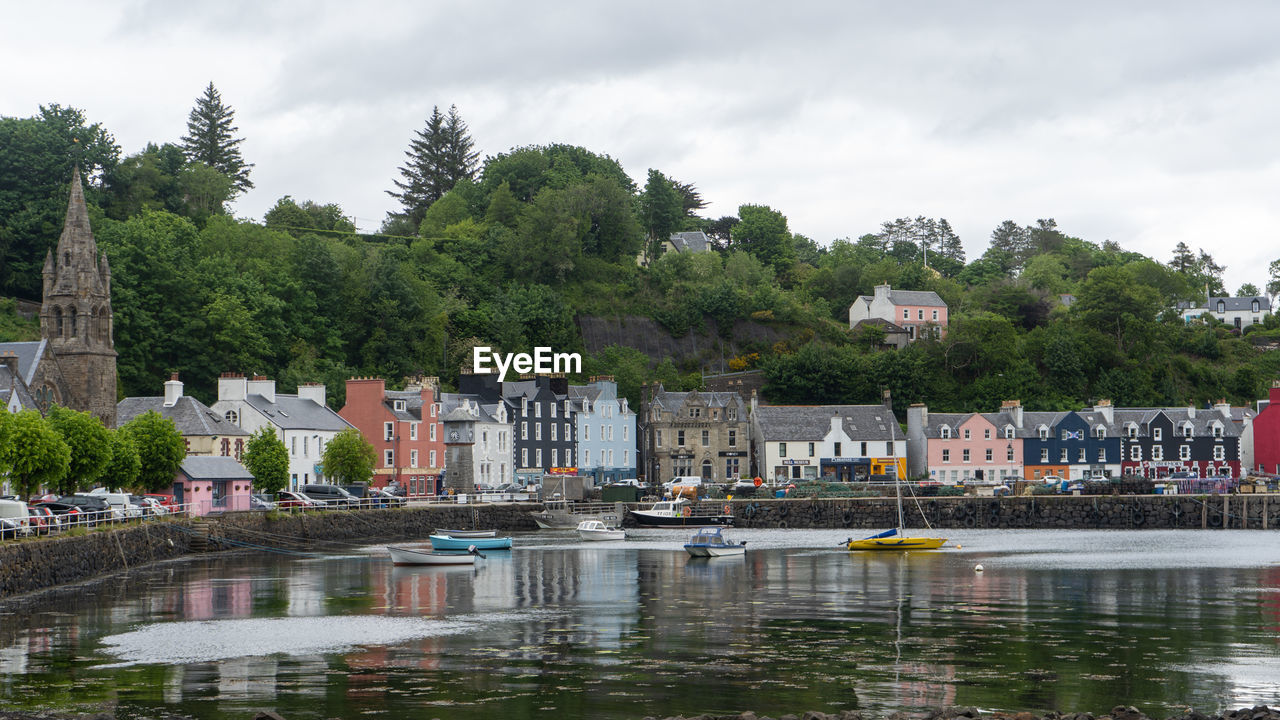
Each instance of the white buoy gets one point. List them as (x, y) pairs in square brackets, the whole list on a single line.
[(977, 568)]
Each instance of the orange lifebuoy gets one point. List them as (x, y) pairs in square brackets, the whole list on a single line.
[(727, 509)]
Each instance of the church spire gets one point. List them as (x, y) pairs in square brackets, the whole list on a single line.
[(77, 237)]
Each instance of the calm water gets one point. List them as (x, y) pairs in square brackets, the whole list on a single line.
[(561, 629)]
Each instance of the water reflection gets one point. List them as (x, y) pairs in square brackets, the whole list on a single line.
[(556, 628)]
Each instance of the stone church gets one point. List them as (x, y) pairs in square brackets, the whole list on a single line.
[(74, 362)]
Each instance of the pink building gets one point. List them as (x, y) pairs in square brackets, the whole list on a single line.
[(921, 313), (212, 484)]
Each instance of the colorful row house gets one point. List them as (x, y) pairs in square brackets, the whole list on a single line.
[(405, 429), (832, 443), (1266, 433), (1092, 444)]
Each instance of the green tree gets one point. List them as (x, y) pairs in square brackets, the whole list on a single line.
[(121, 470), (210, 140), (661, 209), (33, 452), (1113, 303), (440, 156), (1273, 278), (1248, 290), (161, 449), (37, 155), (267, 459), (349, 458), (89, 443), (763, 232)]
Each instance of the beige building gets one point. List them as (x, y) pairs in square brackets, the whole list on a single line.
[(703, 434), (205, 431)]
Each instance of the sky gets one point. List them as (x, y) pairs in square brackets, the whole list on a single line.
[(1145, 123)]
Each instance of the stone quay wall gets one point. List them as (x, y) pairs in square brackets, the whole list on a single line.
[(39, 563), (1116, 512)]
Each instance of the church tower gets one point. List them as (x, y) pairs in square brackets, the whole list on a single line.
[(76, 315)]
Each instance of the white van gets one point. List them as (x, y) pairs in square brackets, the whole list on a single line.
[(15, 516), (119, 503)]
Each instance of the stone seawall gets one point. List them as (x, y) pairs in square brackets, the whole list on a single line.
[(36, 564), (1117, 512)]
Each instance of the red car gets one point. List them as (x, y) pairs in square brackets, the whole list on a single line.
[(166, 500), (43, 520), (291, 499)]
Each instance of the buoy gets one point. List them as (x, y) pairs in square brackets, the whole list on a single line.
[(977, 568), (958, 547)]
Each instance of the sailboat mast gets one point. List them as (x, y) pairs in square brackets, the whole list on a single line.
[(893, 449)]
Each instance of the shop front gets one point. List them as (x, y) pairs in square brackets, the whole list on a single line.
[(735, 464), (845, 469), (795, 470)]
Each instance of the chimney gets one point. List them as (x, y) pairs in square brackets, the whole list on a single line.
[(882, 292), (10, 360), (559, 384), (232, 386), (921, 411), (172, 391), (1223, 407), (1274, 393), (1014, 408), (1103, 408), (1191, 412), (886, 400), (310, 391), (260, 385)]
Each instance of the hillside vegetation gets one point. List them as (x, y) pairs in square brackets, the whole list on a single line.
[(532, 245)]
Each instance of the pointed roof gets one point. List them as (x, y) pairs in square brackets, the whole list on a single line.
[(77, 250), (75, 229)]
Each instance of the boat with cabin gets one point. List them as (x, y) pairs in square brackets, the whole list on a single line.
[(596, 531), (680, 513), (711, 542), (567, 514)]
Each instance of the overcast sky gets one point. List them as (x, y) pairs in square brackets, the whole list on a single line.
[(1142, 123)]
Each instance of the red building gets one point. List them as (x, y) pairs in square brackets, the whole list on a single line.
[(1266, 433), (404, 427)]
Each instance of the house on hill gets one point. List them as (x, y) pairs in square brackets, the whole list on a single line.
[(922, 313)]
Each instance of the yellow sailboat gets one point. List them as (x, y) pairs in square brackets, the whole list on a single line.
[(894, 539)]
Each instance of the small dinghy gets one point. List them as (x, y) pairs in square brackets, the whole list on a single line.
[(409, 556), (446, 542)]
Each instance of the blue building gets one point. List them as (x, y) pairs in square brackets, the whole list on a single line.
[(1071, 445), (606, 431)]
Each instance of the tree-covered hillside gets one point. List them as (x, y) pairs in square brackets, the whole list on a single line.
[(514, 250)]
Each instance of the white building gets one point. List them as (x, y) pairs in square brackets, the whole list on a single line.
[(303, 422), (484, 432), (838, 443), (1238, 312)]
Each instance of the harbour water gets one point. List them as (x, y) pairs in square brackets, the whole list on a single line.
[(557, 628)]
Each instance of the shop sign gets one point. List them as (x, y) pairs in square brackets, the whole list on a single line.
[(789, 461), (563, 471), (682, 456), (845, 461), (733, 453)]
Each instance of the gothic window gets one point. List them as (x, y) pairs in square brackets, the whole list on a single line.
[(74, 330), (57, 321), (226, 447)]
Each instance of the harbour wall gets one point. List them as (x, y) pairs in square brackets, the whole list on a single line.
[(37, 564)]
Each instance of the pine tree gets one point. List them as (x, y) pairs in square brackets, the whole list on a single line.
[(440, 156), (210, 141)]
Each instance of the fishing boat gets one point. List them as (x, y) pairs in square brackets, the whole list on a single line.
[(894, 539), (594, 530), (444, 542), (710, 542), (467, 533), (566, 514), (679, 513), (410, 556)]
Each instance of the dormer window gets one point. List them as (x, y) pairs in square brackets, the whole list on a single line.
[(1132, 431), (1156, 434), (1101, 432), (1222, 306), (398, 405), (1255, 305), (1044, 433), (1008, 432), (695, 412), (1186, 430), (945, 433), (1217, 430)]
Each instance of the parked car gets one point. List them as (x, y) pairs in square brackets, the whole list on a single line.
[(95, 507), (15, 512), (332, 496), (10, 528), (40, 520), (389, 498), (261, 501), (287, 499), (119, 503)]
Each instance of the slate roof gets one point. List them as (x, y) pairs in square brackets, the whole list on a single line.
[(29, 354), (452, 410), (780, 423), (933, 427), (189, 415), (885, 324), (293, 413), (214, 467), (909, 297), (412, 404), (1233, 304), (1201, 423), (673, 401), (11, 385), (695, 241)]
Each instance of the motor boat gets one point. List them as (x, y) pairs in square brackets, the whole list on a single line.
[(596, 531)]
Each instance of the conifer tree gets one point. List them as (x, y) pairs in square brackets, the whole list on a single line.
[(441, 155), (210, 140)]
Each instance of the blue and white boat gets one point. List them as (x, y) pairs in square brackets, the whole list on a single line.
[(710, 542), (445, 542)]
